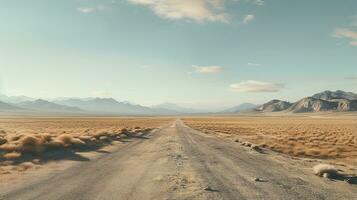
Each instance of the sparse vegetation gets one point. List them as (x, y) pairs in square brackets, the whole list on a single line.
[(24, 140), (315, 137)]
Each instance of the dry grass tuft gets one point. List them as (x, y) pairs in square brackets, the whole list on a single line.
[(12, 155), (32, 143)]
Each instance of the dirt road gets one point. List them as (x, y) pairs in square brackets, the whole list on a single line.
[(178, 162)]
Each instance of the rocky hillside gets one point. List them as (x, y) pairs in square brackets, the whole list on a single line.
[(310, 104), (274, 106), (339, 94), (338, 101)]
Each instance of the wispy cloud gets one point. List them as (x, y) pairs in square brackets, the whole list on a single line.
[(346, 33), (256, 86), (248, 18), (254, 64), (256, 2), (87, 10), (259, 2), (208, 69), (196, 10)]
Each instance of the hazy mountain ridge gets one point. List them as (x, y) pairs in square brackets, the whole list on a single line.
[(104, 105), (15, 99), (47, 106), (112, 106), (240, 108), (8, 107)]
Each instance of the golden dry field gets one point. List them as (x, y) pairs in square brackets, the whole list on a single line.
[(332, 138), (24, 141)]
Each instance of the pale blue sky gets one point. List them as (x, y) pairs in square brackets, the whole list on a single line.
[(199, 53)]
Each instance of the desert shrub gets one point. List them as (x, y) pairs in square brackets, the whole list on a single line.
[(100, 134), (15, 138), (8, 147), (32, 143), (66, 140), (85, 137), (2, 140), (12, 155)]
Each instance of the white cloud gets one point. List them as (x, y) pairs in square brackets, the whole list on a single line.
[(259, 2), (86, 10), (208, 69), (256, 2), (196, 10), (256, 86), (248, 18), (346, 33), (254, 64)]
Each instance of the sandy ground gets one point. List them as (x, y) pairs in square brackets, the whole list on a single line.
[(178, 162)]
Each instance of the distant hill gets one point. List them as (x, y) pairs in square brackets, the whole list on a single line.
[(339, 94), (274, 106), (111, 106), (8, 107), (240, 108), (46, 106), (15, 99), (175, 108)]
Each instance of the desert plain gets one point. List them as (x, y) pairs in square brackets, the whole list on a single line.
[(187, 157)]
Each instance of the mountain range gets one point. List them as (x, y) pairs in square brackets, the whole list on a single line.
[(102, 106), (324, 101), (112, 106), (46, 106)]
